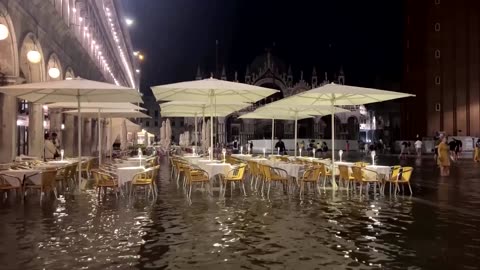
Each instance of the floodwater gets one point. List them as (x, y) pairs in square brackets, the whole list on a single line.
[(437, 228)]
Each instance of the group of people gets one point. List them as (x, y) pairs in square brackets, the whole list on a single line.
[(51, 148)]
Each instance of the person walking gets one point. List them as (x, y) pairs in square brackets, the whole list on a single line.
[(476, 156), (458, 148), (418, 147), (403, 149), (444, 158)]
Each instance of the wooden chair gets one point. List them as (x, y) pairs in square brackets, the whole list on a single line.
[(275, 175), (359, 176), (104, 181), (6, 186), (344, 176), (47, 183), (402, 178), (195, 176), (235, 176), (255, 175), (146, 180), (87, 168), (324, 173), (361, 164), (310, 176)]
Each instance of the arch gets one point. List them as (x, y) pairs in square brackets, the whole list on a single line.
[(272, 81), (327, 132), (8, 47), (32, 72), (69, 73), (54, 62)]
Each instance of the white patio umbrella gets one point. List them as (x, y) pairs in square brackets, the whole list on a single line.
[(107, 113), (72, 90), (200, 108), (338, 95), (162, 133), (277, 116), (204, 135), (296, 110), (211, 91)]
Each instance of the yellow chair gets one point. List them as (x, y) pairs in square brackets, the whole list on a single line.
[(324, 173), (104, 181), (361, 164), (146, 179), (87, 168), (360, 177), (310, 176), (344, 176), (403, 177), (255, 174), (47, 183), (196, 176), (393, 177), (235, 176), (276, 175), (6, 186)]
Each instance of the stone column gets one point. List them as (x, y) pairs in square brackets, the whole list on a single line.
[(8, 128), (94, 138), (69, 134), (35, 130), (87, 137), (55, 116)]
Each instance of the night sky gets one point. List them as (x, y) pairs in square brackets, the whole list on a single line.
[(365, 37)]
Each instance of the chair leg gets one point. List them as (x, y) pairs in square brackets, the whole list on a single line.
[(410, 187), (268, 191), (244, 191)]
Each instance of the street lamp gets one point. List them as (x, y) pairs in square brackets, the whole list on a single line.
[(137, 70), (129, 21), (141, 57), (34, 56), (3, 31)]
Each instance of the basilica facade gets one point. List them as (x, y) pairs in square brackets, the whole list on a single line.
[(269, 71)]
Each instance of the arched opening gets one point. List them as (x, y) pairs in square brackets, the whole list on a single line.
[(69, 73), (32, 71), (54, 68), (327, 131), (8, 74), (353, 128)]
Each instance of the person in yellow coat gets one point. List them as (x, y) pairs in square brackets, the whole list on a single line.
[(476, 157), (444, 157)]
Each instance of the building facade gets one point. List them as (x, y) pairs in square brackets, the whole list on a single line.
[(43, 40), (442, 67), (269, 71)]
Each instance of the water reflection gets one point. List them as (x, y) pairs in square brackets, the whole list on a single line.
[(435, 229)]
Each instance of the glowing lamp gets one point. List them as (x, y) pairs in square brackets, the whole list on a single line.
[(3, 31), (34, 56), (54, 72)]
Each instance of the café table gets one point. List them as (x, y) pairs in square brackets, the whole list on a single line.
[(22, 174), (125, 174)]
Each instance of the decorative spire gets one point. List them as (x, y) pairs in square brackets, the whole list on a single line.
[(314, 72), (289, 72), (199, 73), (314, 78), (236, 76), (224, 74), (301, 75)]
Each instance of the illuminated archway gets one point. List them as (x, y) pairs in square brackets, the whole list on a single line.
[(54, 68), (69, 73)]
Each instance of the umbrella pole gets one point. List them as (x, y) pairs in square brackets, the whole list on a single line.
[(211, 127), (111, 140), (203, 129), (79, 140), (195, 129), (99, 138), (296, 116), (273, 132), (334, 184)]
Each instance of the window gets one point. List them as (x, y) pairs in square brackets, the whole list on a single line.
[(437, 54), (437, 27), (147, 123), (156, 123), (147, 112), (437, 107), (156, 113), (437, 80)]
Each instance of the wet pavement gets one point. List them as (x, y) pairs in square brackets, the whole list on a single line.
[(437, 228)]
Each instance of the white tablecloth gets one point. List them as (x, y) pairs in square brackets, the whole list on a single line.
[(21, 174), (215, 168), (383, 171), (125, 174)]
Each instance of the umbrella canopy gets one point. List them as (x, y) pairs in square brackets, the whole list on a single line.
[(203, 90), (96, 105), (211, 91), (201, 107), (335, 94), (109, 113), (168, 133), (72, 90)]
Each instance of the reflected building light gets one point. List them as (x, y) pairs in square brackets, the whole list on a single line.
[(3, 32), (80, 19), (74, 10), (34, 56), (54, 72)]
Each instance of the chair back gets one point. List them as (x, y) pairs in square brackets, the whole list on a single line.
[(323, 169), (237, 173), (313, 173), (343, 170), (357, 173), (395, 172), (48, 178), (406, 174), (361, 164), (102, 178)]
